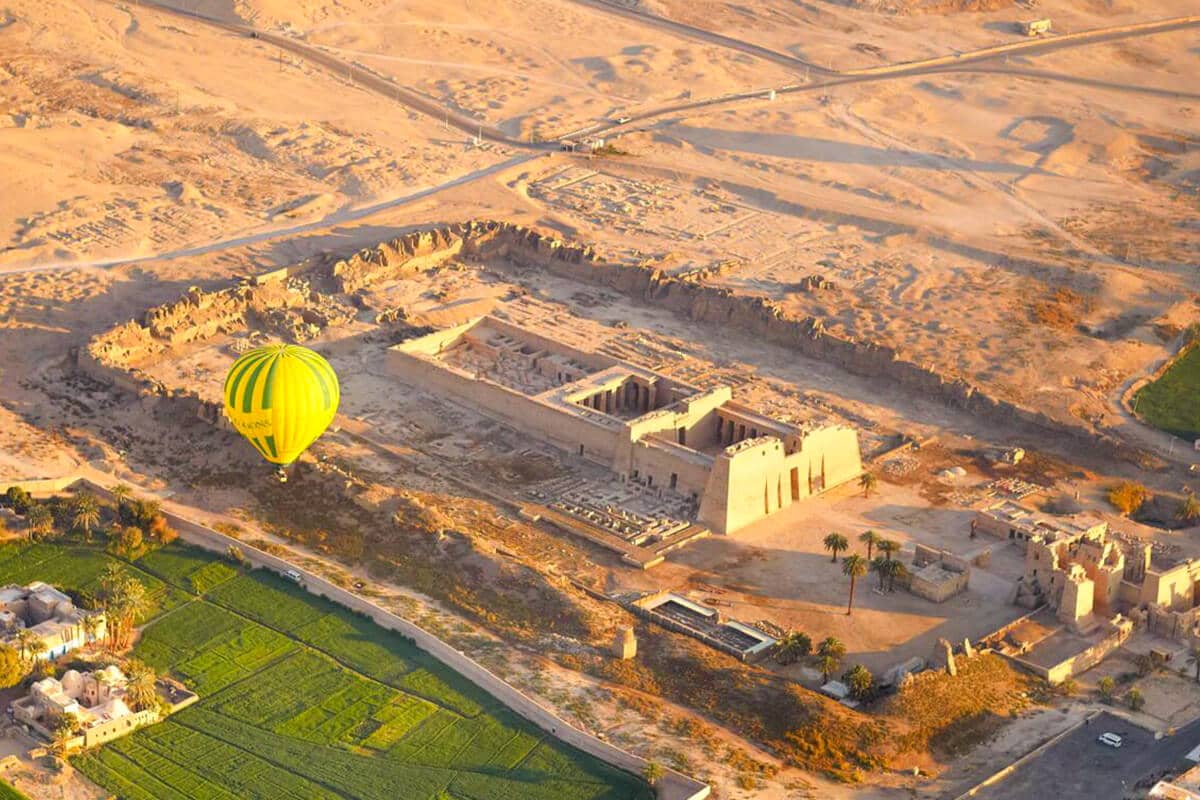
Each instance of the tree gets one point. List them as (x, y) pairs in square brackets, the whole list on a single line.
[(832, 646), (124, 598), (24, 637), (1106, 686), (859, 681), (41, 521), (867, 482), (1147, 663), (1136, 699), (63, 732), (234, 554), (889, 547), (853, 567), (879, 564), (828, 665), (91, 625), (1194, 658), (17, 499), (129, 541), (35, 647), (653, 772), (121, 492), (894, 569), (141, 688), (836, 543), (1128, 496), (1189, 509), (12, 669), (793, 647), (1068, 688), (161, 530), (870, 539), (86, 515)]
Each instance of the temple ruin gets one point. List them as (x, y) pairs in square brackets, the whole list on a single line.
[(730, 464)]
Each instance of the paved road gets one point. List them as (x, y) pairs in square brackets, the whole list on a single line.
[(362, 77), (1080, 768), (1017, 47)]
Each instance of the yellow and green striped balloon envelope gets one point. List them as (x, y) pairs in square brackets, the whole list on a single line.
[(281, 398)]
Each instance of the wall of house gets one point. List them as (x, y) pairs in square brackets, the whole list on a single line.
[(946, 586), (116, 728)]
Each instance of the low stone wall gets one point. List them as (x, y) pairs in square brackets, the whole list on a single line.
[(673, 785)]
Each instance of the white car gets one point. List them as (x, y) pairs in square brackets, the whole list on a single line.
[(1110, 739)]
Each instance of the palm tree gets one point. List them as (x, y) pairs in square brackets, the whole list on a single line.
[(40, 520), (140, 689), (880, 565), (888, 546), (894, 569), (124, 601), (867, 481), (859, 681), (653, 772), (827, 665), (793, 647), (1106, 685), (24, 637), (832, 646), (121, 492), (870, 539), (87, 515), (1189, 509), (1194, 658), (853, 567), (36, 647), (836, 543), (63, 732), (90, 624)]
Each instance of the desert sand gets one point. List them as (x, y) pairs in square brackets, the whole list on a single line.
[(1023, 222)]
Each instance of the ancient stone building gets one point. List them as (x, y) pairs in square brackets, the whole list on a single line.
[(664, 435)]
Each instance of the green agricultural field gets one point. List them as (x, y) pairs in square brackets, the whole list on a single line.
[(303, 699), (78, 568), (9, 793), (1172, 402)]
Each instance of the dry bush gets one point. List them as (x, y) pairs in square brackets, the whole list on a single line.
[(1128, 496), (1061, 310), (950, 715)]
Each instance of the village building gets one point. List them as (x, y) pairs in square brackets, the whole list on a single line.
[(50, 615), (96, 700), (735, 465)]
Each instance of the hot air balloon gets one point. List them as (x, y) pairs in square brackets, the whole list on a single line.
[(281, 398)]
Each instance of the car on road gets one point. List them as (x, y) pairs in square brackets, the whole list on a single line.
[(293, 575), (1109, 738), (622, 120)]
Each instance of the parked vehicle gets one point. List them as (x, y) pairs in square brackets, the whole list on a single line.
[(1110, 739)]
